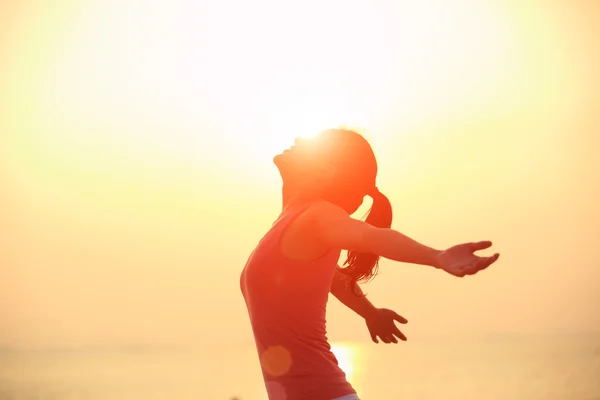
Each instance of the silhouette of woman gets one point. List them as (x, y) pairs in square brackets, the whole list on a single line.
[(288, 276)]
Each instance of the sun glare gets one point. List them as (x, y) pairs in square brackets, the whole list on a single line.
[(348, 358), (151, 86)]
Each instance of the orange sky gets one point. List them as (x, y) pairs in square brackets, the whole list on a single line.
[(137, 140)]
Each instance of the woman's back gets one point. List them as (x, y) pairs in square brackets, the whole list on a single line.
[(286, 301)]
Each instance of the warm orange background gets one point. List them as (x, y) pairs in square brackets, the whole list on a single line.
[(137, 137)]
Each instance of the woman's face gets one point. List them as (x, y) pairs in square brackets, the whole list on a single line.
[(335, 160), (304, 155)]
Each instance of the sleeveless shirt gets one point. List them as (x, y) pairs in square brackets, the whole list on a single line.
[(286, 302)]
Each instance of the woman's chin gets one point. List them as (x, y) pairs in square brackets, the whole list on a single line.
[(281, 157)]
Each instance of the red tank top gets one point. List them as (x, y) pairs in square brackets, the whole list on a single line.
[(286, 302)]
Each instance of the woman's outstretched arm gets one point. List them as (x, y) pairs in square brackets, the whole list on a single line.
[(335, 228)]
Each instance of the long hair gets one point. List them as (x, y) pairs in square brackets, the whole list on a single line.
[(359, 170), (362, 267)]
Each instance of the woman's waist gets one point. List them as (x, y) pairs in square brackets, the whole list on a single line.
[(311, 383), (297, 354)]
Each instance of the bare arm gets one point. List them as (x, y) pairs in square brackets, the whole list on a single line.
[(351, 295), (336, 229), (381, 322)]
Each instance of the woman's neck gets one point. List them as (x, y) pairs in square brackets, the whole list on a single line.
[(293, 197)]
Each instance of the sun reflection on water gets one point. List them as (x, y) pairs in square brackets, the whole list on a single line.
[(350, 357)]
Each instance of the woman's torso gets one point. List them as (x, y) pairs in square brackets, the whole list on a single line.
[(286, 301)]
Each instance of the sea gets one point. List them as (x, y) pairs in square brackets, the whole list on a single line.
[(507, 367)]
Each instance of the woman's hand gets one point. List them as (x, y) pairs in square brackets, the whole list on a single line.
[(381, 324), (460, 261)]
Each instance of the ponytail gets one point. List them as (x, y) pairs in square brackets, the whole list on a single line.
[(364, 266)]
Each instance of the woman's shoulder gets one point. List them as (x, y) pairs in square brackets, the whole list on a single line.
[(325, 207), (311, 210), (310, 217), (322, 210)]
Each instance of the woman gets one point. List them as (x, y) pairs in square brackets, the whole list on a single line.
[(287, 278)]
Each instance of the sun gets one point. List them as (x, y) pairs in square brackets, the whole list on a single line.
[(163, 87), (304, 119)]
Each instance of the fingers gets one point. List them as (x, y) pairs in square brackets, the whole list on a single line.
[(385, 329), (485, 262), (399, 318), (390, 335), (374, 337), (475, 246), (481, 264), (384, 338), (393, 337), (399, 334), (389, 338)]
